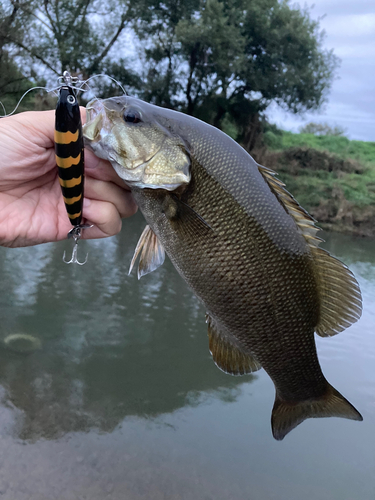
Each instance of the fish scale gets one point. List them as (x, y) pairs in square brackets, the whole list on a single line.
[(253, 312), (241, 242)]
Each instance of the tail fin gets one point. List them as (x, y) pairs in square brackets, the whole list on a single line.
[(286, 416)]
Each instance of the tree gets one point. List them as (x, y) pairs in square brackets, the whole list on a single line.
[(13, 80), (160, 50), (73, 35), (223, 61), (232, 58)]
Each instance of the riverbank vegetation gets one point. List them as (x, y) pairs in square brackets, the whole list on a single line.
[(332, 177)]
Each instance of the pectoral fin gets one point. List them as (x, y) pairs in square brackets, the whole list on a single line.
[(188, 220), (227, 355), (152, 255)]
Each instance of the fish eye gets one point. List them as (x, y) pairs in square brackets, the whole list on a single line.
[(132, 116), (71, 99)]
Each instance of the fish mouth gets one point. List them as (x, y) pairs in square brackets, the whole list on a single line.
[(134, 170), (94, 120), (98, 118), (93, 108), (93, 132)]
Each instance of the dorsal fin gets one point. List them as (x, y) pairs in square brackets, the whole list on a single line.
[(226, 354), (339, 293), (303, 219)]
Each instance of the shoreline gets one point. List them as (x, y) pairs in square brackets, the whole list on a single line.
[(338, 191)]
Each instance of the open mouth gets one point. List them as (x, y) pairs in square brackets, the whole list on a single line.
[(94, 119)]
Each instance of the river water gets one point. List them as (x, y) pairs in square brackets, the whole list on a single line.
[(122, 400)]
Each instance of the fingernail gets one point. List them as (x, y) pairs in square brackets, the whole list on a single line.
[(86, 203)]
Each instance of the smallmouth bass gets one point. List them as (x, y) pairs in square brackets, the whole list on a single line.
[(242, 243)]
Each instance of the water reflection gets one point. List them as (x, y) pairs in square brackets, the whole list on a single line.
[(111, 346), (133, 356), (351, 249)]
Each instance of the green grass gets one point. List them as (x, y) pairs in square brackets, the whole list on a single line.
[(342, 147), (331, 177), (311, 188)]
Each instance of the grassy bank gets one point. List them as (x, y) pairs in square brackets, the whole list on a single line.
[(331, 177)]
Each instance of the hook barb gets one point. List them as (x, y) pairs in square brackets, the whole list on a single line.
[(76, 233), (74, 259)]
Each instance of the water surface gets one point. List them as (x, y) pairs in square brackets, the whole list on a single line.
[(123, 401)]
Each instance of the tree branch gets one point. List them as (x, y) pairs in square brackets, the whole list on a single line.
[(31, 13), (85, 9), (198, 91), (2, 87), (49, 17), (82, 5), (32, 53), (16, 6), (192, 63), (8, 21), (110, 44)]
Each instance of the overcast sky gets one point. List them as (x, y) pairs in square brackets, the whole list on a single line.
[(350, 31)]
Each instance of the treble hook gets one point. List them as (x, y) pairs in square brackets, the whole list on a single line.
[(74, 259), (75, 233)]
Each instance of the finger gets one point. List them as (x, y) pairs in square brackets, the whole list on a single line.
[(105, 218), (108, 191), (83, 114), (41, 124), (101, 169)]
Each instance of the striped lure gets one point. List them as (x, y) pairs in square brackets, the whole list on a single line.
[(69, 155)]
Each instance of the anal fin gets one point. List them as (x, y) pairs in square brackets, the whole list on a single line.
[(227, 355), (152, 255)]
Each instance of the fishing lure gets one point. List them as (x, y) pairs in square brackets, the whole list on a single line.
[(69, 155), (69, 152)]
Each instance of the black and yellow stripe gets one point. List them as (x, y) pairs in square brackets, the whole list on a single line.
[(69, 153)]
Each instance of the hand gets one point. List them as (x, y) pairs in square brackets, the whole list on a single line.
[(32, 209)]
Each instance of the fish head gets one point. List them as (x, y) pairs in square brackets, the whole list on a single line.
[(139, 142)]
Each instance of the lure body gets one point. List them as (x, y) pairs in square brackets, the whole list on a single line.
[(69, 153)]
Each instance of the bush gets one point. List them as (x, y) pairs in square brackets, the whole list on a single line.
[(322, 129), (271, 140)]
